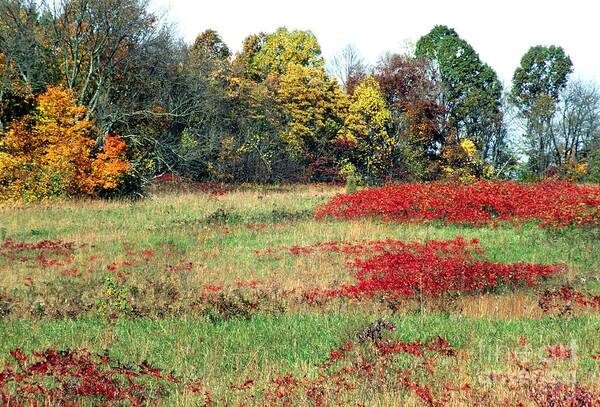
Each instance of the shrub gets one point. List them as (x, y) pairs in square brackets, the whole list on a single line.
[(551, 203), (51, 152), (57, 378), (393, 268)]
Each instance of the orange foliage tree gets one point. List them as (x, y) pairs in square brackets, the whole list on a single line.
[(52, 152)]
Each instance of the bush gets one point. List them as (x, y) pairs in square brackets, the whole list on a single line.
[(51, 152)]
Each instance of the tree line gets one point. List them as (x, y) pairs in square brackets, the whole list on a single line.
[(99, 96)]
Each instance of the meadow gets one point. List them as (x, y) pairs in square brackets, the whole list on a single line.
[(253, 295)]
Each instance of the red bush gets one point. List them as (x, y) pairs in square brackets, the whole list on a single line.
[(39, 254), (68, 377), (565, 297), (398, 269), (374, 365), (552, 203)]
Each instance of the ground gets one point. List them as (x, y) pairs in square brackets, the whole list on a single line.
[(203, 284)]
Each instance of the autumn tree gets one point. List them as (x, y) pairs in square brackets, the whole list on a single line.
[(235, 132), (419, 121), (119, 58), (349, 67), (27, 64), (311, 104), (206, 73), (255, 150), (52, 152), (209, 55), (366, 131), (243, 63), (94, 38), (284, 48), (26, 43)]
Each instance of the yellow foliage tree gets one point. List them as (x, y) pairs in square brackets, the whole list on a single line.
[(50, 152), (314, 105), (366, 121), (461, 161), (284, 48)]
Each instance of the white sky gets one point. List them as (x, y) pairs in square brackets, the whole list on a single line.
[(500, 31)]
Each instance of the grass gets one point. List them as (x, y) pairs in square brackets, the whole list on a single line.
[(220, 236), (192, 346)]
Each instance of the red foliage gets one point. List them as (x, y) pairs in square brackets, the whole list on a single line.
[(565, 297), (39, 254), (68, 377), (372, 362), (398, 269), (352, 367), (57, 247), (559, 351), (552, 203), (538, 382)]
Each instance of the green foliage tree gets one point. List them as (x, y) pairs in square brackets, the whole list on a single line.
[(543, 71), (537, 83), (470, 90)]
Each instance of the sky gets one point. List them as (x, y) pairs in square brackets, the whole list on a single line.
[(500, 31)]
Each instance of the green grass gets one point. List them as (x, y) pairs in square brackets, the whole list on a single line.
[(291, 343)]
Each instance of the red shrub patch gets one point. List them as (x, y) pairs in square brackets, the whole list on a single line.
[(358, 368), (565, 298), (39, 254), (68, 377), (539, 382), (552, 203), (398, 269)]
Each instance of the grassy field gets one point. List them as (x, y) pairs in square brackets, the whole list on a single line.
[(138, 279)]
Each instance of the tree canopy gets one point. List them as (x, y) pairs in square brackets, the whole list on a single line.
[(271, 112)]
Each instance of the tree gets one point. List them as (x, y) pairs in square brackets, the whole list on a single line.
[(260, 153), (309, 103), (27, 63), (419, 121), (209, 54), (206, 72), (576, 125), (243, 63), (543, 71), (470, 90), (349, 67), (285, 48), (537, 83), (26, 43), (314, 106), (366, 123), (94, 38), (52, 152), (120, 60)]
